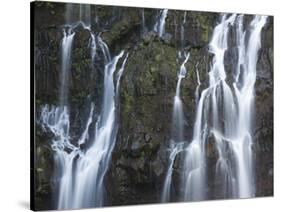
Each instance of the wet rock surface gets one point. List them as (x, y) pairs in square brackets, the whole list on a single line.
[(139, 159)]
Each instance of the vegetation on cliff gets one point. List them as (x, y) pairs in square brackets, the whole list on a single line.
[(147, 89)]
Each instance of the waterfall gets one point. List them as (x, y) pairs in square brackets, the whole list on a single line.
[(80, 171), (78, 14), (244, 91), (143, 25), (198, 85), (93, 46), (85, 15), (104, 49), (175, 148), (92, 165), (177, 140), (120, 73), (235, 172), (159, 27), (69, 14), (223, 107), (85, 135), (66, 45), (182, 29), (178, 116), (193, 179), (233, 139), (221, 145)]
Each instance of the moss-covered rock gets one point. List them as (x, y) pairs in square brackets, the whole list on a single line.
[(44, 170), (147, 90)]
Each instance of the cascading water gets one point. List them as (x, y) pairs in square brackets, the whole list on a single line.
[(177, 140), (159, 27), (66, 45), (80, 172), (76, 15), (224, 113), (92, 165), (194, 177), (175, 148), (198, 85), (143, 25), (85, 15), (120, 73), (223, 119), (223, 107), (182, 29), (244, 91), (178, 117), (233, 138)]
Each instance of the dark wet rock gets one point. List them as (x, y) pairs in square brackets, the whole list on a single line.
[(44, 168), (147, 88), (167, 38)]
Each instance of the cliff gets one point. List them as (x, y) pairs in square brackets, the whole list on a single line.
[(139, 159)]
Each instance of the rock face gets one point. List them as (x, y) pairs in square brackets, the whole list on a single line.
[(263, 132), (147, 88)]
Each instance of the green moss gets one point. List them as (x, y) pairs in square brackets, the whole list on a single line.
[(157, 57), (118, 30), (205, 34), (127, 102)]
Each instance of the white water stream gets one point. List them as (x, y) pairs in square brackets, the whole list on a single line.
[(80, 172)]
